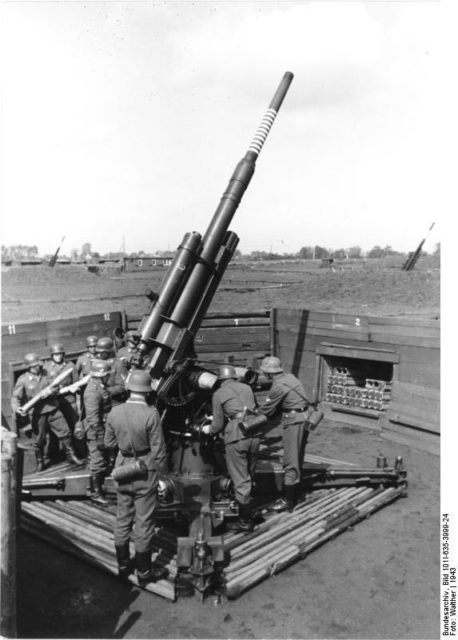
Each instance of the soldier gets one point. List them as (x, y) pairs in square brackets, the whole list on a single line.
[(287, 395), (116, 382), (229, 404), (45, 415), (97, 404), (125, 353), (67, 402), (136, 429), (83, 364)]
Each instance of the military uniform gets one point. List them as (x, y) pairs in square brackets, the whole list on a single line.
[(45, 415), (67, 402), (136, 425), (83, 364), (126, 354), (97, 403), (116, 384), (229, 403), (288, 396)]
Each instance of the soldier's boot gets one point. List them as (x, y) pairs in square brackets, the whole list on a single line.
[(124, 561), (97, 495), (70, 452), (245, 523), (289, 499), (145, 571), (40, 461)]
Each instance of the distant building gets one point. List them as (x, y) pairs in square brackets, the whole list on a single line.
[(147, 263)]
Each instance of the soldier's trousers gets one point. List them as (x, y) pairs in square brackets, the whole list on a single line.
[(241, 462), (96, 457), (70, 411), (43, 423), (294, 440), (136, 506)]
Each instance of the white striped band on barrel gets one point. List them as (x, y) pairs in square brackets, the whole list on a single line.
[(263, 130)]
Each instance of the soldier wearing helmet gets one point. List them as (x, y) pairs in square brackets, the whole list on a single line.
[(287, 396), (97, 403), (230, 402), (116, 382), (68, 402), (83, 364), (46, 416), (126, 353), (135, 428)]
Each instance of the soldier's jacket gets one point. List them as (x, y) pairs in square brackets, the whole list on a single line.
[(229, 402), (83, 364), (116, 382), (97, 403), (54, 368), (27, 386), (125, 354), (136, 425), (286, 394)]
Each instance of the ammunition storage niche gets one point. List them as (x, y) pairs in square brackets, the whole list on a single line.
[(355, 381), (368, 371)]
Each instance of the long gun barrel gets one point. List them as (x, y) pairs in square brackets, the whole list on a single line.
[(412, 259), (200, 263)]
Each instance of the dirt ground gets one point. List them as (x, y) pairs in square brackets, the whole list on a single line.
[(371, 287), (378, 580)]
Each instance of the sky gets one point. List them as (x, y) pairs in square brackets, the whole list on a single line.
[(122, 122)]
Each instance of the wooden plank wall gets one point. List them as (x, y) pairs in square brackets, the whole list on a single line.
[(37, 337), (298, 333), (229, 337)]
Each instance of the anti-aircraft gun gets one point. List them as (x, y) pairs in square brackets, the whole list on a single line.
[(198, 486)]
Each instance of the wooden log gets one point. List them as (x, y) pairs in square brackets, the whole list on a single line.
[(8, 609), (164, 588), (242, 582), (308, 517), (296, 529), (96, 544), (74, 533), (8, 622)]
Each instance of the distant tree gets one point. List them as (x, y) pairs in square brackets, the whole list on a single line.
[(237, 254), (437, 249), (339, 254), (375, 252), (305, 253), (321, 252), (74, 255), (354, 252)]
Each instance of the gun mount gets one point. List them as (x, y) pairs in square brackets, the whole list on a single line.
[(198, 487)]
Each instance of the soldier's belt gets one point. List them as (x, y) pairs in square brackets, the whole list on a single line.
[(286, 413), (132, 454)]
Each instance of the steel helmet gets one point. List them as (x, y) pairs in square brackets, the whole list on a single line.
[(132, 336), (227, 372), (139, 380), (104, 345), (271, 364), (91, 341), (100, 368), (56, 348), (31, 360)]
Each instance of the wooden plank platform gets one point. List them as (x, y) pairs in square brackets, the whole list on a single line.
[(84, 530)]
